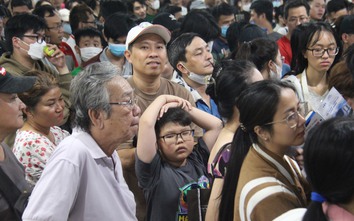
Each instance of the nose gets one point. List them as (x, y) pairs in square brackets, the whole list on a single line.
[(179, 138), (22, 106), (136, 110), (301, 120), (325, 54)]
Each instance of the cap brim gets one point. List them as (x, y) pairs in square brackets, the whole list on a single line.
[(18, 84), (160, 30)]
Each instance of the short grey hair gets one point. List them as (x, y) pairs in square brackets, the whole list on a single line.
[(89, 92)]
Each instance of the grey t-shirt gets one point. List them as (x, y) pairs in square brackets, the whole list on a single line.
[(15, 171), (165, 186)]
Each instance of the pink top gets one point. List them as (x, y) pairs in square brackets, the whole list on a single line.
[(33, 150), (336, 213)]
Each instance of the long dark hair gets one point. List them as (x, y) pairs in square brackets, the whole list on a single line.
[(311, 32), (329, 164), (231, 78), (257, 106)]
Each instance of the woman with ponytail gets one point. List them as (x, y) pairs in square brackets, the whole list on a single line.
[(261, 181)]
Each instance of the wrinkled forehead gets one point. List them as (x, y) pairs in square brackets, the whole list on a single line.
[(119, 87)]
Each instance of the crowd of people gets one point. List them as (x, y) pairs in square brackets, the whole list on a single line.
[(176, 110)]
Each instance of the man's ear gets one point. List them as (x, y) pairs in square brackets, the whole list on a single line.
[(182, 68), (261, 133), (127, 55), (15, 42), (97, 118)]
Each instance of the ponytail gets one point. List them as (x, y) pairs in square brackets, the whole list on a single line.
[(239, 148)]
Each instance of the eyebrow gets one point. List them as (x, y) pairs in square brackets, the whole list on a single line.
[(200, 48), (327, 44)]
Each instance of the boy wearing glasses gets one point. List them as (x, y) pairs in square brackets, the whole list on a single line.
[(167, 160)]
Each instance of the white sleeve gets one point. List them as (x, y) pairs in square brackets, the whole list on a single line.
[(55, 192)]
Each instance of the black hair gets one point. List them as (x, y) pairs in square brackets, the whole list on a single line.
[(350, 58), (201, 22), (17, 3), (336, 5), (257, 106), (118, 25), (175, 115), (260, 51), (88, 32), (295, 4), (222, 9), (233, 34), (311, 33), (172, 9), (130, 4), (176, 50), (5, 12), (79, 14), (248, 33), (18, 25), (278, 11), (110, 7), (329, 165), (41, 11), (263, 6), (231, 78)]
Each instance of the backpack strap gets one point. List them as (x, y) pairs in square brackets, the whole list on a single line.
[(9, 191)]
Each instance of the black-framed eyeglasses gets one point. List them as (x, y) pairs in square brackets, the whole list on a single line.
[(57, 26), (129, 103), (319, 52), (292, 120), (39, 38), (172, 138)]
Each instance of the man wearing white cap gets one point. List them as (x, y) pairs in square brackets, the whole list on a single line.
[(146, 51)]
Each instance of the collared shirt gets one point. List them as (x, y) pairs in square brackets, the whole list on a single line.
[(199, 102), (80, 182)]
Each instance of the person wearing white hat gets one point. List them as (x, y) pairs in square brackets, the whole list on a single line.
[(146, 51)]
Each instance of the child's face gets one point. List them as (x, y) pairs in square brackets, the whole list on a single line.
[(176, 143), (87, 41)]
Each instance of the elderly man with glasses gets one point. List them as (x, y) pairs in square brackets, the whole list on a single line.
[(83, 180)]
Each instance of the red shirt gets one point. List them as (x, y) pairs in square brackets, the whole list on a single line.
[(285, 49)]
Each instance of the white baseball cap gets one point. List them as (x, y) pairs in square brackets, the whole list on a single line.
[(147, 28)]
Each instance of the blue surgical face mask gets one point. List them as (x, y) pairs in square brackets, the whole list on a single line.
[(116, 49), (224, 30), (67, 28)]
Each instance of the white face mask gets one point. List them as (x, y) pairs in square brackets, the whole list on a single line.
[(35, 50), (246, 7), (89, 52), (155, 4), (277, 75), (198, 78)]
